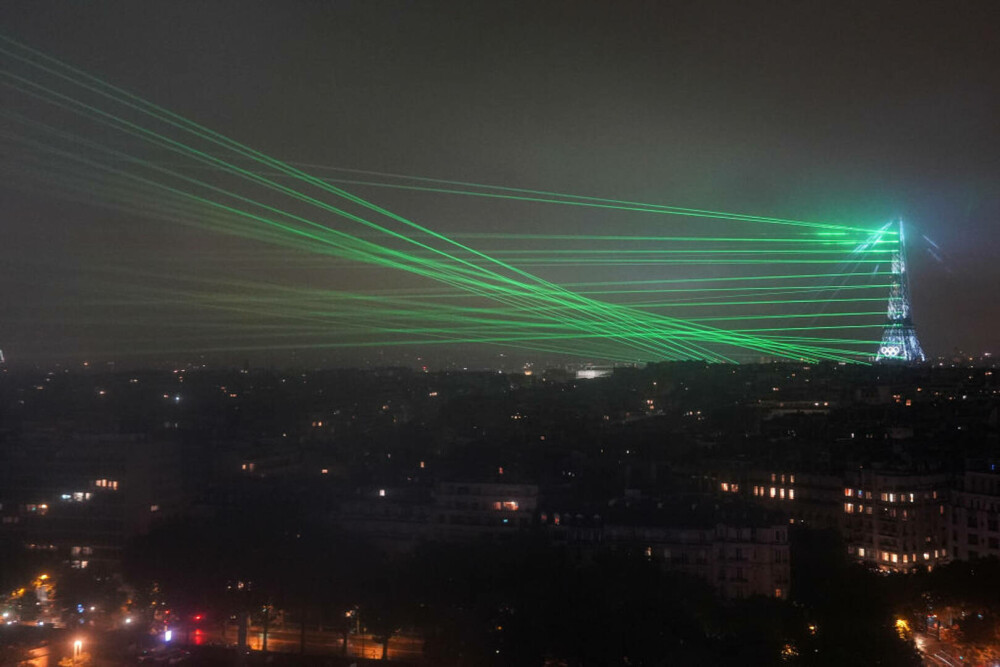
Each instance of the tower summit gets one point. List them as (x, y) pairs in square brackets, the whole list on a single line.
[(899, 338)]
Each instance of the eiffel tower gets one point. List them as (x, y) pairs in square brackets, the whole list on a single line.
[(899, 338)]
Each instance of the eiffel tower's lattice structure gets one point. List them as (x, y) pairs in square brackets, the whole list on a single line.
[(899, 337)]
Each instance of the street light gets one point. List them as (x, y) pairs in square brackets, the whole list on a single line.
[(77, 648)]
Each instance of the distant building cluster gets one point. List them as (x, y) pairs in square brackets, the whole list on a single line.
[(84, 498), (707, 469)]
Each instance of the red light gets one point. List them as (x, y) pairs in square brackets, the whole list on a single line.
[(197, 617)]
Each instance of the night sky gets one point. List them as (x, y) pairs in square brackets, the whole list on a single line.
[(848, 112)]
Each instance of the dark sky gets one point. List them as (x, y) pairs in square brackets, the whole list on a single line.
[(835, 111)]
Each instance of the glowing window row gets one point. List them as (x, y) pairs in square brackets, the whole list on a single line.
[(888, 557), (510, 505), (781, 493), (890, 496)]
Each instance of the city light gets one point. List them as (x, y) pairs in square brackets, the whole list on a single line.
[(649, 273)]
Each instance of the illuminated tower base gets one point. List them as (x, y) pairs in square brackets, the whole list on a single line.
[(899, 343), (899, 338)]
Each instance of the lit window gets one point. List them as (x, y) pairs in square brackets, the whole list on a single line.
[(791, 479), (906, 558), (777, 592), (774, 492), (927, 556), (791, 494), (885, 556), (861, 552), (725, 486), (847, 492), (154, 508), (381, 493), (892, 497), (849, 508), (885, 497), (781, 493), (510, 505), (895, 558)]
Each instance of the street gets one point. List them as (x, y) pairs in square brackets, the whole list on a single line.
[(289, 640), (936, 653)]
